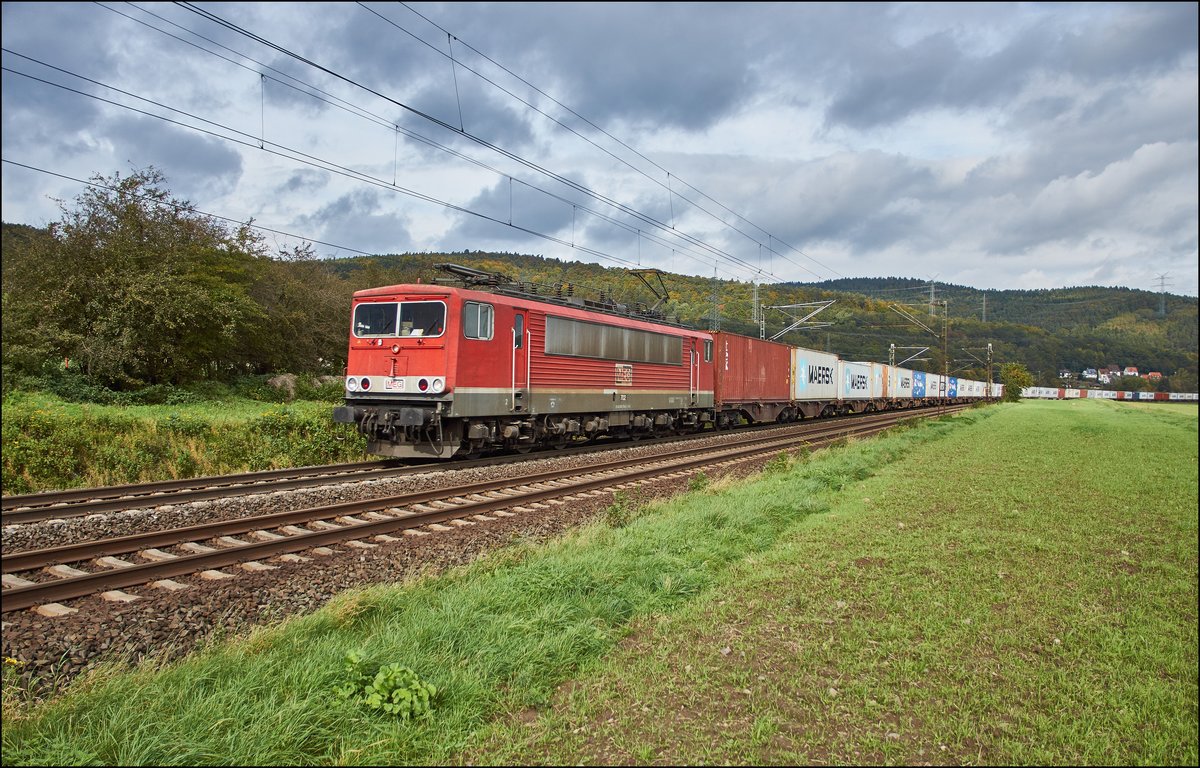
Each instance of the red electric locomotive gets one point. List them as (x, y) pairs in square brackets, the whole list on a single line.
[(437, 371)]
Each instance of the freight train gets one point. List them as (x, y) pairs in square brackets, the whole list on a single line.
[(1068, 393), (442, 371)]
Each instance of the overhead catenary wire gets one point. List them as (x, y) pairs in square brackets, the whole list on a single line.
[(314, 162), (465, 134), (326, 165), (576, 114), (179, 207)]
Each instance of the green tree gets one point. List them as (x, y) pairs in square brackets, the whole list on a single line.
[(307, 307), (1131, 384), (1014, 377), (136, 286)]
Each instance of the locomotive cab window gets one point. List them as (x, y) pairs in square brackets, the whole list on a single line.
[(375, 320), (410, 318), (708, 351), (422, 318), (478, 320)]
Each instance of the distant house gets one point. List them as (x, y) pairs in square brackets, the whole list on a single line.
[(1130, 370), (1065, 374), (1154, 376), (1090, 373), (1105, 378)]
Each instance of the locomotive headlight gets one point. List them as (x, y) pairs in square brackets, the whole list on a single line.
[(351, 384), (438, 385), (365, 383)]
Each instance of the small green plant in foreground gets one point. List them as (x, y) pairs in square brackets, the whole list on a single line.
[(619, 513), (780, 462), (393, 689)]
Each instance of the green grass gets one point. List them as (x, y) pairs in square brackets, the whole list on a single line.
[(1015, 585), (1023, 592), (50, 443)]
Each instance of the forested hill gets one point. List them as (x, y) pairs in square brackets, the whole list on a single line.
[(1051, 308), (144, 305), (1047, 330)]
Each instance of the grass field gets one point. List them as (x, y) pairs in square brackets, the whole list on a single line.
[(52, 444), (1016, 585)]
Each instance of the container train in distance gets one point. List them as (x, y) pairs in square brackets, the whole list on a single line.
[(439, 371), (1067, 393)]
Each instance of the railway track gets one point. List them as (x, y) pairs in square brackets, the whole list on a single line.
[(40, 579), (80, 502)]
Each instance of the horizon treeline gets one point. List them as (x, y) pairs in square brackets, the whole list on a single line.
[(133, 288)]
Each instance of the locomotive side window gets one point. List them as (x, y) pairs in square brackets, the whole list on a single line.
[(708, 351), (375, 320), (478, 320), (518, 331), (575, 338), (422, 318)]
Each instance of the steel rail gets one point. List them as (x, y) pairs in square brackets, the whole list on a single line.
[(77, 495), (32, 559), (16, 598), (81, 502)]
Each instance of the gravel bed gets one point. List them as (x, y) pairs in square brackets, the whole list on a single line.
[(60, 532), (167, 625)]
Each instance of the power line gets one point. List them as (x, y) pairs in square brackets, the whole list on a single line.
[(460, 132), (598, 128), (179, 207), (329, 166)]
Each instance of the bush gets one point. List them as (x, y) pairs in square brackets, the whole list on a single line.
[(391, 688)]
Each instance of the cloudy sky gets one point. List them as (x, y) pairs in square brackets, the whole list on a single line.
[(992, 145)]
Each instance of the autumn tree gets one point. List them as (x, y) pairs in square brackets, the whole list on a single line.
[(307, 308), (1014, 377)]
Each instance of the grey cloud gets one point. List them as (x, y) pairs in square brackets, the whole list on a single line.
[(678, 64), (356, 220), (526, 208), (197, 166), (305, 180), (896, 81)]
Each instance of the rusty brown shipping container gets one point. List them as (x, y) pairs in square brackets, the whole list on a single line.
[(751, 370)]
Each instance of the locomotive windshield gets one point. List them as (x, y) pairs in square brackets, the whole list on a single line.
[(410, 318)]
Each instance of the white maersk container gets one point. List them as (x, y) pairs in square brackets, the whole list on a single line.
[(902, 383), (854, 381), (814, 375), (935, 386)]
